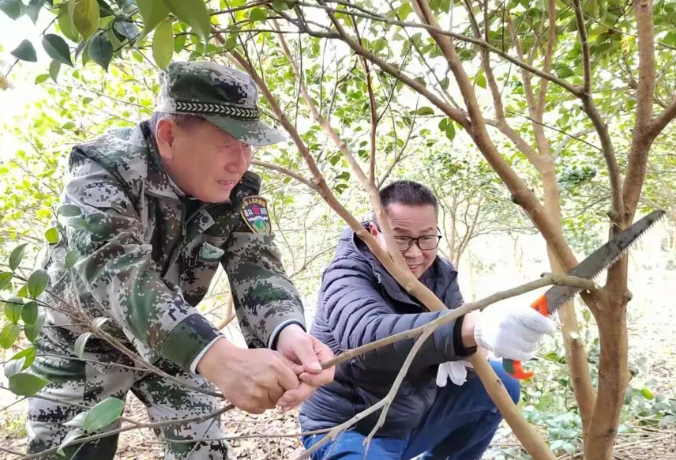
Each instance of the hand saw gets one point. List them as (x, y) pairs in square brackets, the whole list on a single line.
[(600, 259)]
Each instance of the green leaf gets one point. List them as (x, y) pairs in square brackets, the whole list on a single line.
[(57, 48), (33, 9), (32, 331), (77, 421), (29, 314), (279, 5), (69, 210), (163, 44), (564, 72), (101, 51), (16, 256), (86, 17), (194, 13), (647, 394), (29, 354), (78, 223), (23, 292), (25, 52), (66, 25), (152, 12), (450, 130), (258, 14), (13, 308), (41, 78), (5, 279), (9, 334), (480, 79), (424, 111), (126, 29), (103, 414), (12, 8), (670, 38), (52, 235), (24, 384), (81, 343), (54, 68), (37, 282), (70, 437), (71, 258)]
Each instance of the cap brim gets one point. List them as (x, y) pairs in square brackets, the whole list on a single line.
[(253, 132)]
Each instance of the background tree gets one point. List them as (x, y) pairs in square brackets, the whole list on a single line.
[(562, 100)]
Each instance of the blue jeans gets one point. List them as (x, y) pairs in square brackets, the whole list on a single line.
[(459, 426)]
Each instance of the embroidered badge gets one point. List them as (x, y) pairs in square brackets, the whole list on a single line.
[(255, 214)]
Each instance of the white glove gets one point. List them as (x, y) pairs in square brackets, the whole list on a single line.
[(455, 370), (512, 332)]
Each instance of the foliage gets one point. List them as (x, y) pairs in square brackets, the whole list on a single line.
[(415, 138)]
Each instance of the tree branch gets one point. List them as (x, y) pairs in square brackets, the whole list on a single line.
[(601, 128), (641, 142), (436, 29)]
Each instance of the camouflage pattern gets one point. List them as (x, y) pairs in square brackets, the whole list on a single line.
[(148, 255), (88, 382), (224, 96)]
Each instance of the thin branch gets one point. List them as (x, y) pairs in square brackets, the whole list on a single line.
[(663, 119), (586, 60), (478, 42), (286, 171), (546, 280), (549, 52), (643, 130), (197, 419)]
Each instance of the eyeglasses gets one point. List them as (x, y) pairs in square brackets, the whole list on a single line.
[(425, 242)]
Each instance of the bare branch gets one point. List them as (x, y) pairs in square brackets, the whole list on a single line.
[(286, 171), (551, 39), (600, 126), (586, 60), (643, 134), (662, 120), (436, 29), (75, 442), (545, 280)]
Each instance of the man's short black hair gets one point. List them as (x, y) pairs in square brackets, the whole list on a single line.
[(409, 193)]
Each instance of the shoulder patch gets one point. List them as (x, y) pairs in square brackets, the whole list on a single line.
[(255, 214)]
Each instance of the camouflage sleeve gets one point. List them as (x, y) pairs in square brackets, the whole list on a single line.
[(264, 297), (117, 270)]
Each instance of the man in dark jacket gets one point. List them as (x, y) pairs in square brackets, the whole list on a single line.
[(360, 302)]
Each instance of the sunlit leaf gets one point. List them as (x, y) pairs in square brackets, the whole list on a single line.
[(86, 17), (9, 334), (192, 12), (5, 280), (37, 282), (13, 308), (52, 235), (16, 256), (153, 12), (25, 384), (163, 44)]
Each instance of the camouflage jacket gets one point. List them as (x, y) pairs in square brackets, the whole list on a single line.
[(148, 255)]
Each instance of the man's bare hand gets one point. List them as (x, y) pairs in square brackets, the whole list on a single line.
[(252, 380), (306, 354)]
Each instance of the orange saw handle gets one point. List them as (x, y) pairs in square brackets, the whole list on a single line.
[(514, 367)]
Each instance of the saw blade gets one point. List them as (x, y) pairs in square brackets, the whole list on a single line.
[(602, 258)]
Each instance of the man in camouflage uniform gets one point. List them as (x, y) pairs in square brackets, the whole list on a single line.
[(161, 206)]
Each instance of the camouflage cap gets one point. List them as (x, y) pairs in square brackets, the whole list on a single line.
[(222, 95)]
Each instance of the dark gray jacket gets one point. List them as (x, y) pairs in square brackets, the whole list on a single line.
[(359, 302)]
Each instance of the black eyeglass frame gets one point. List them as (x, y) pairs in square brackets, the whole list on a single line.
[(411, 240)]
